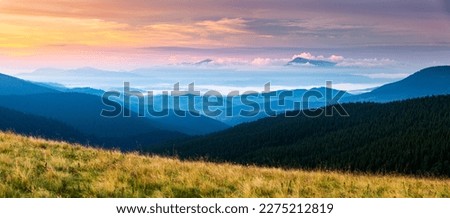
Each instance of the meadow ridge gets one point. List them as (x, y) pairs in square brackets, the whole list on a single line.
[(33, 167)]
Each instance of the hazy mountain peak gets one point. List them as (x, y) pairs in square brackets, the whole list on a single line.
[(305, 61), (433, 71), (426, 82), (204, 62)]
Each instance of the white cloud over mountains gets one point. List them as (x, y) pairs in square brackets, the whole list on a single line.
[(341, 61)]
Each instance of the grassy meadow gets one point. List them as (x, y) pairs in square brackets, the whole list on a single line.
[(31, 167)]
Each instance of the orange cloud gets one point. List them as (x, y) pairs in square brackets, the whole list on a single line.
[(21, 34), (224, 25), (28, 25), (27, 32), (223, 32)]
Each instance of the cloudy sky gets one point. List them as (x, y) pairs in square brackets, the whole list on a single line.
[(125, 35)]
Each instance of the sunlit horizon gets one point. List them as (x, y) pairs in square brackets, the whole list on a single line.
[(370, 42)]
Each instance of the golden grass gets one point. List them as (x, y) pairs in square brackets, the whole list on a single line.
[(31, 167)]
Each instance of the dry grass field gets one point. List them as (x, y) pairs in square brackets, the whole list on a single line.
[(31, 167)]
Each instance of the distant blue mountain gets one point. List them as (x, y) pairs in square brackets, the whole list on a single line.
[(62, 88), (426, 82), (80, 111), (303, 61), (279, 107), (204, 62), (13, 86), (81, 107), (87, 90), (190, 124)]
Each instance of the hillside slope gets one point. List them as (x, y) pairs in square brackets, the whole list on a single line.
[(31, 167), (410, 137), (426, 82), (13, 86), (26, 124), (81, 111), (81, 107)]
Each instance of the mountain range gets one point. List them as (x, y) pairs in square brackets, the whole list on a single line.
[(76, 111), (426, 82), (80, 111)]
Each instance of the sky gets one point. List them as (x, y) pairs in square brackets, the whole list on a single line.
[(376, 37)]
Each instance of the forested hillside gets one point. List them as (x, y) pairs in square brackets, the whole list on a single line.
[(31, 125), (411, 137)]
